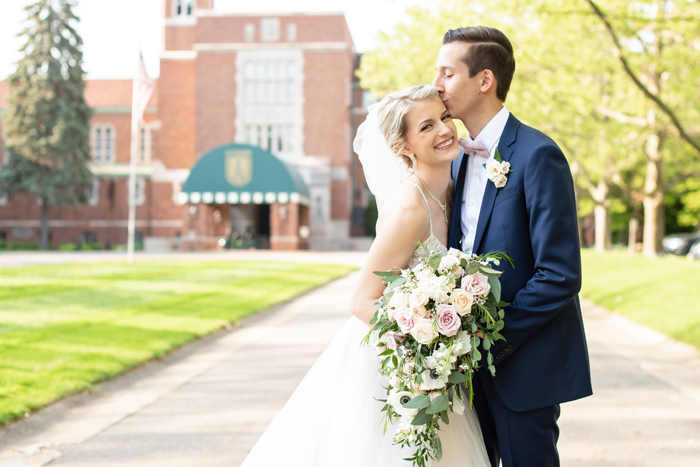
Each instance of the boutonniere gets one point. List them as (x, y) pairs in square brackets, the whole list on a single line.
[(497, 171)]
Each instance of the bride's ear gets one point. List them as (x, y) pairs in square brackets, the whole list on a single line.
[(403, 150)]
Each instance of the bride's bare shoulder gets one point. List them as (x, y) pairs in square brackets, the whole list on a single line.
[(404, 210)]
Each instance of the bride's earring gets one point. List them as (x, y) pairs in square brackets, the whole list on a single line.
[(413, 162)]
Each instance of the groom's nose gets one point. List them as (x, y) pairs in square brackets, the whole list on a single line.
[(437, 84)]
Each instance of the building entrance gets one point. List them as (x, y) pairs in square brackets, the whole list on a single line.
[(250, 226)]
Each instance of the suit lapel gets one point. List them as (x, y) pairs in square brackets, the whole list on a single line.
[(508, 137), (455, 234)]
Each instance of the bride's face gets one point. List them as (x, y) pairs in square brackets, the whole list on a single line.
[(432, 136)]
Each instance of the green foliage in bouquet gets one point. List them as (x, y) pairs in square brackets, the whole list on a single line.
[(432, 328)]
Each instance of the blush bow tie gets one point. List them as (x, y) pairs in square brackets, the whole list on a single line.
[(476, 147)]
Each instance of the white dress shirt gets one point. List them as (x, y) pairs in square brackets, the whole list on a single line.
[(475, 179)]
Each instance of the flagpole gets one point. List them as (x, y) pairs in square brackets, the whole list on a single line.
[(132, 165)]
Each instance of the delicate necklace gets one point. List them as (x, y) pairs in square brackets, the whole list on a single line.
[(443, 206)]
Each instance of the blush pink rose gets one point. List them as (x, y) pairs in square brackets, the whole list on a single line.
[(448, 322), (392, 339), (404, 319), (476, 284)]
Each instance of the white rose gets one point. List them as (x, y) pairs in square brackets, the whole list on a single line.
[(418, 312), (447, 263), (419, 297), (398, 300), (500, 181), (454, 252), (462, 301), (423, 331)]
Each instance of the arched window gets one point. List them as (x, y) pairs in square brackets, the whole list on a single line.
[(146, 143), (102, 143)]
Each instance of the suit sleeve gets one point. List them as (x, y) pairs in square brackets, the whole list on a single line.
[(553, 224)]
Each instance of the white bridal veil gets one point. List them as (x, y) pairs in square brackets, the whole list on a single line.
[(383, 169)]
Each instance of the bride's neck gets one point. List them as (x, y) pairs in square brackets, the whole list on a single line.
[(437, 178)]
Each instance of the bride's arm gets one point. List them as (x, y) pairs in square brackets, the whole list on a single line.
[(404, 225)]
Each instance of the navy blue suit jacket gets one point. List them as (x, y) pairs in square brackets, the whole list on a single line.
[(533, 219)]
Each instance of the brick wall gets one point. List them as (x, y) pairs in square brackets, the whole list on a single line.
[(216, 93)]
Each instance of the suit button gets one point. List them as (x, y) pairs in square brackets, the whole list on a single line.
[(499, 356)]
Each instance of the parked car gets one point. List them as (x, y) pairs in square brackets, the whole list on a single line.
[(679, 244), (694, 251)]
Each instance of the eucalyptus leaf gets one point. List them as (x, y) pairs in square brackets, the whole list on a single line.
[(421, 418), (434, 261), (489, 270), (445, 418), (456, 377), (495, 288), (397, 282), (385, 273), (487, 344), (418, 402), (438, 404)]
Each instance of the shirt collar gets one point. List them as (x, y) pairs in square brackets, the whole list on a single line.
[(491, 133)]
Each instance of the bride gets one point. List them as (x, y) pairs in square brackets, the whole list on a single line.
[(334, 418)]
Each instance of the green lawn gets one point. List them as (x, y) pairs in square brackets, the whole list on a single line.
[(662, 293), (65, 327)]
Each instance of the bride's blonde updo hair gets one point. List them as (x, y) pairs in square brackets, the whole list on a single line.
[(392, 116)]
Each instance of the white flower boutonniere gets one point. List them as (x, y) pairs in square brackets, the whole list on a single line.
[(497, 171)]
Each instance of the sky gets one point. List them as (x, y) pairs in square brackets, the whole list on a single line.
[(113, 29)]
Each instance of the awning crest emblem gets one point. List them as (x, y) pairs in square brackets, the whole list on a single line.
[(239, 166)]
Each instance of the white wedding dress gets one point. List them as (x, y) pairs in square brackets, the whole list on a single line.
[(333, 419)]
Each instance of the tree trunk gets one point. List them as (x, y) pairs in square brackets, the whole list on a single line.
[(654, 222), (44, 230), (603, 233)]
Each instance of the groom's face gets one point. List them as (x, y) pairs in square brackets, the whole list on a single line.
[(458, 91)]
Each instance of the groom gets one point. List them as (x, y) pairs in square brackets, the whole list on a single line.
[(544, 361)]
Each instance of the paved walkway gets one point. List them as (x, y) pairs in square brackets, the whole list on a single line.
[(207, 403)]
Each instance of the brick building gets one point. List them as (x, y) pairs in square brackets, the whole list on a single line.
[(248, 138)]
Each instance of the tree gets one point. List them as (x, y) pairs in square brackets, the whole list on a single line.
[(656, 45), (570, 84), (46, 120)]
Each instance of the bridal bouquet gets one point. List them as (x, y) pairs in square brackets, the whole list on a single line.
[(431, 326)]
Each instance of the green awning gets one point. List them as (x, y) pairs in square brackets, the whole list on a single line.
[(243, 174)]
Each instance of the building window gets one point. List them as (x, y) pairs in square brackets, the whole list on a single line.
[(184, 7), (270, 112), (145, 144), (140, 191), (291, 32), (89, 238), (249, 32), (102, 142), (94, 192), (270, 29)]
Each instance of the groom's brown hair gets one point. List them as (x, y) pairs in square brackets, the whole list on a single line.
[(491, 50)]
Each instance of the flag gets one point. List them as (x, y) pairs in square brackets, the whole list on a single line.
[(145, 87)]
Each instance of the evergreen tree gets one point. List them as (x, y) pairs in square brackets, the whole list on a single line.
[(46, 119)]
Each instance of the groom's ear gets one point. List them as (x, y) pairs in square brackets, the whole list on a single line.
[(488, 81)]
